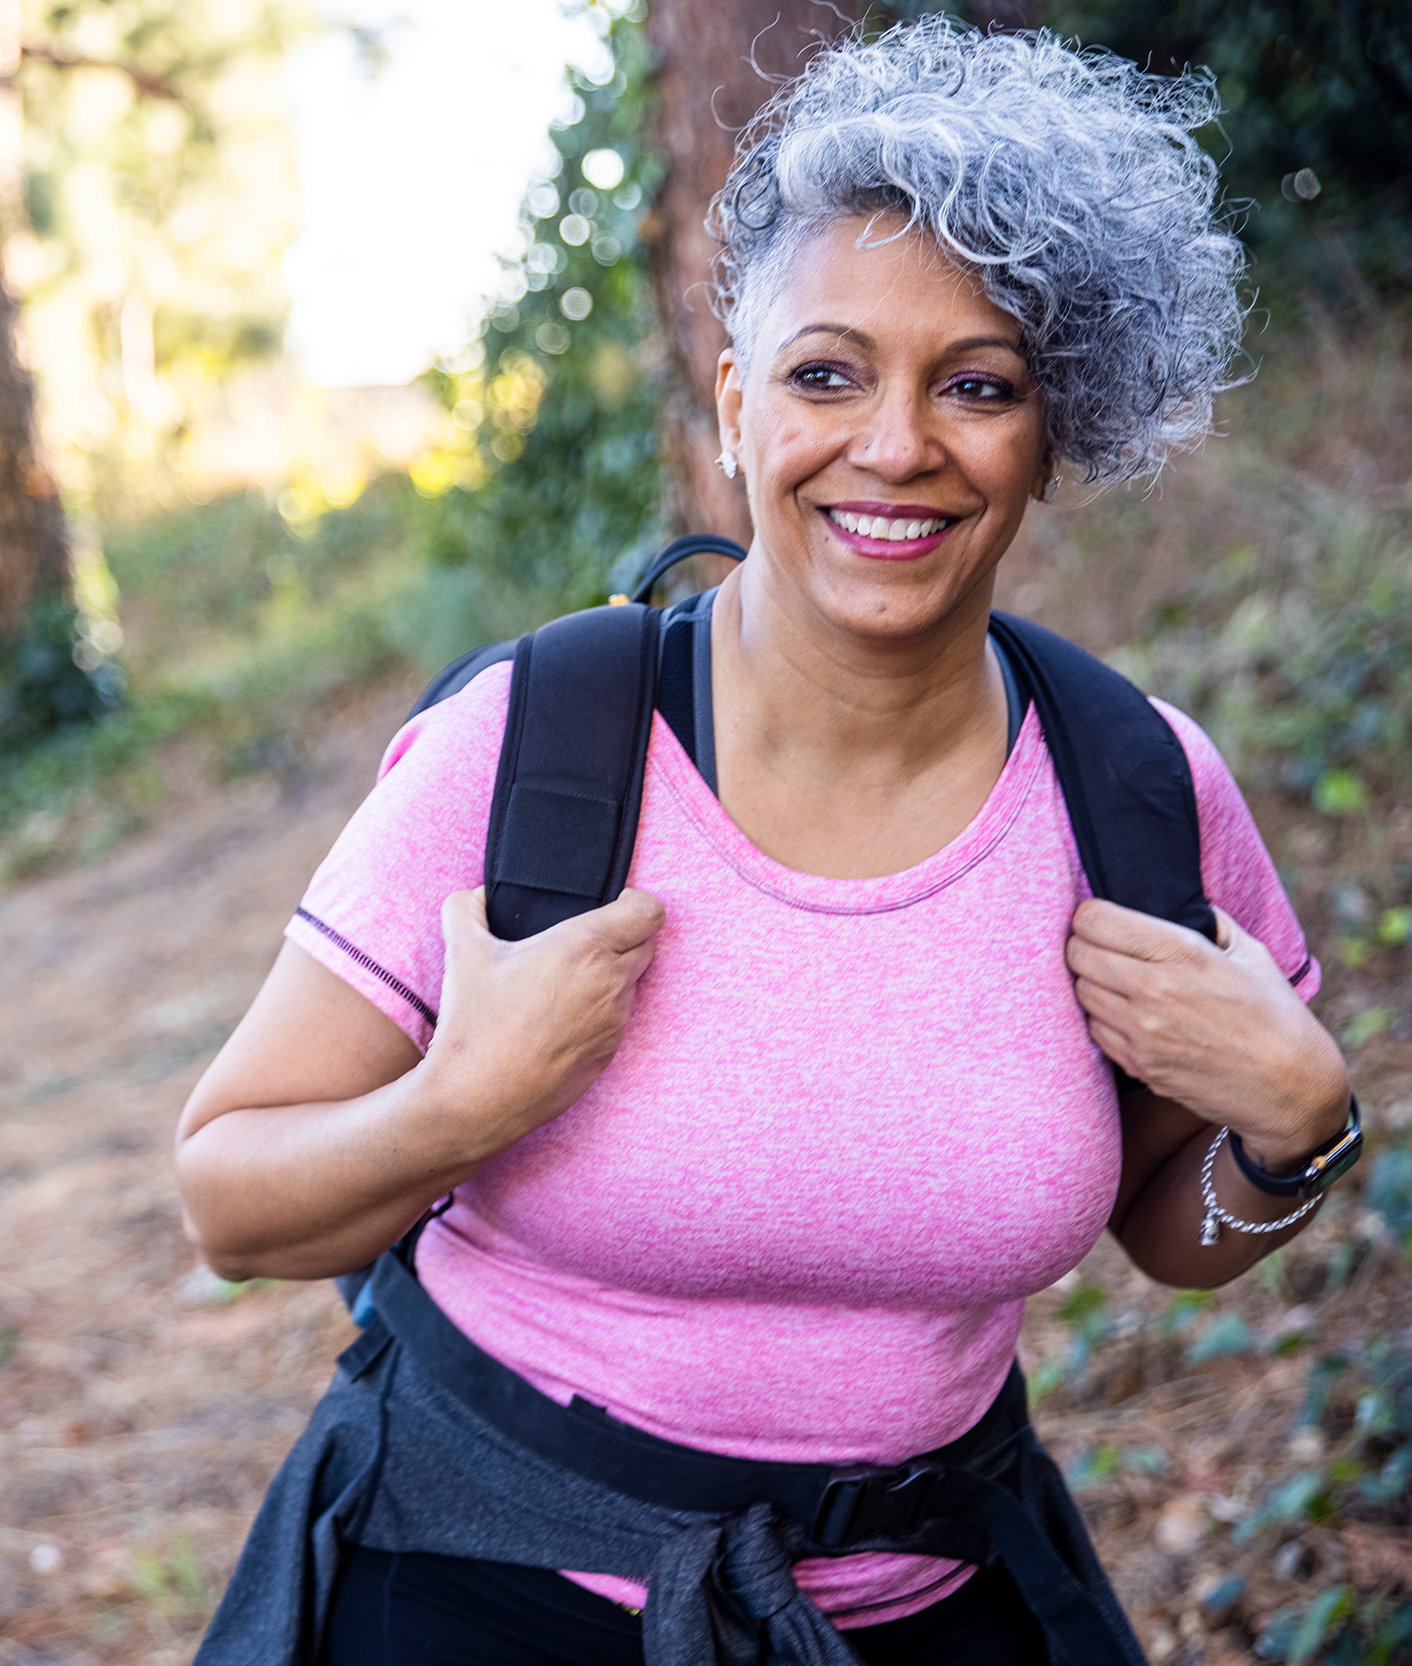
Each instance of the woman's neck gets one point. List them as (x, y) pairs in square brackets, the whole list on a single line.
[(846, 755)]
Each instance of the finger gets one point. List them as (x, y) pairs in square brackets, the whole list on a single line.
[(1103, 1004), (463, 916), (629, 920), (1227, 931), (634, 962), (1108, 925), (1113, 1044), (1118, 972), (1125, 975)]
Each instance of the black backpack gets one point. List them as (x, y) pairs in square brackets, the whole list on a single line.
[(564, 816)]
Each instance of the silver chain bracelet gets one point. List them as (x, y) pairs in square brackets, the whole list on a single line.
[(1215, 1214)]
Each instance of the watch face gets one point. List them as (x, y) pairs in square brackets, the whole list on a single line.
[(1338, 1163)]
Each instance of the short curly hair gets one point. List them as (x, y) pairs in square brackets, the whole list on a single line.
[(1068, 181)]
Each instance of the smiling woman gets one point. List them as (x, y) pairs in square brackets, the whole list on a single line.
[(708, 1355)]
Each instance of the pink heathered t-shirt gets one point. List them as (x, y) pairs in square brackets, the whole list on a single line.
[(853, 1123)]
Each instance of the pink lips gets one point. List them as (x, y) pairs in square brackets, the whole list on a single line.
[(885, 549)]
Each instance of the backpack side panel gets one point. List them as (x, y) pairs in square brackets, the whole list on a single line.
[(456, 676)]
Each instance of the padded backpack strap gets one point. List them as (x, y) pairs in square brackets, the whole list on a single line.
[(569, 788), (1126, 780)]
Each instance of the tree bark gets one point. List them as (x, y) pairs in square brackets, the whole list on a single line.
[(708, 89), (34, 547)]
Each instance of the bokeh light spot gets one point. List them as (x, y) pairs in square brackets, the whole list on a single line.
[(603, 168)]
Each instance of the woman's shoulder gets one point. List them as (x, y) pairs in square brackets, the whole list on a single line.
[(372, 912), (463, 731)]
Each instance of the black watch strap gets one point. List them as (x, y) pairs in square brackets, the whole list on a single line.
[(1319, 1169)]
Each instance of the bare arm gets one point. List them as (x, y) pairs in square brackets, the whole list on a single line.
[(1223, 1041), (319, 1134)]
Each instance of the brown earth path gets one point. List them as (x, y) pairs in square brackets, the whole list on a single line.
[(140, 1413)]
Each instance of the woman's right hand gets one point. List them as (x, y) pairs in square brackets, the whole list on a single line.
[(526, 1028), (319, 1134)]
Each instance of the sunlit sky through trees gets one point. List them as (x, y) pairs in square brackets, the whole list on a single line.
[(412, 175)]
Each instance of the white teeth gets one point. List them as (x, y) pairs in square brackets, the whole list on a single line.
[(893, 532)]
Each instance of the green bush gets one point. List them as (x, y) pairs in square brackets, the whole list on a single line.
[(44, 691), (1317, 135), (561, 485)]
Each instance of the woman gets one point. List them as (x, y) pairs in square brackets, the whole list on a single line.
[(763, 1157)]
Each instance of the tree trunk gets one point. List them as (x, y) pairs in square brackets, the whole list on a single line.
[(707, 91), (34, 550)]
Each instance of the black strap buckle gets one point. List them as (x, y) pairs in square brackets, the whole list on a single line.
[(864, 1502)]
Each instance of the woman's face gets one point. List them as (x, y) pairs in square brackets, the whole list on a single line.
[(884, 388)]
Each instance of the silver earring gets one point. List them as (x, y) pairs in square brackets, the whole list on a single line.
[(1050, 487), (727, 464)]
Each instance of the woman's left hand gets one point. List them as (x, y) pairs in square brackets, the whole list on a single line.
[(1214, 1026)]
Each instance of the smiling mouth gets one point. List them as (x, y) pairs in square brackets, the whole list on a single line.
[(900, 531)]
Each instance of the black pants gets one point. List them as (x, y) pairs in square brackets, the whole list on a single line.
[(418, 1610)]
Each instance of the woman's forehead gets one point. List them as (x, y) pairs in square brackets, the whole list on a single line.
[(891, 286)]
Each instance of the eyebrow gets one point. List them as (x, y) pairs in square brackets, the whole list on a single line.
[(846, 331), (861, 339)]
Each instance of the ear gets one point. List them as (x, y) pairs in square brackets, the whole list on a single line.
[(728, 400), (1043, 473)]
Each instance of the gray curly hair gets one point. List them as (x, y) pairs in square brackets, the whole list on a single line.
[(1069, 182)]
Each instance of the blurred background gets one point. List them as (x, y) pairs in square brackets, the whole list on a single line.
[(336, 341)]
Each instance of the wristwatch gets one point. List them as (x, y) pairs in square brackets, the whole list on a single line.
[(1321, 1168)]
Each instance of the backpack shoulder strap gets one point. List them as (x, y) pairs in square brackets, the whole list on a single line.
[(1126, 780), (563, 818), (569, 788)]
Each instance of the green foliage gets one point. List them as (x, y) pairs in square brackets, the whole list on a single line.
[(171, 1583), (558, 397), (228, 568), (1330, 1629), (1297, 657), (1225, 1335), (151, 133), (242, 622), (1099, 1464), (1390, 1190), (1318, 130), (1363, 1400), (44, 690), (1184, 1309)]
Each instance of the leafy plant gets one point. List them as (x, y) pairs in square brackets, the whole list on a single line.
[(1317, 132), (556, 486), (47, 682), (170, 1582), (1390, 1191)]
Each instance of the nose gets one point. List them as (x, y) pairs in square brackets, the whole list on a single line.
[(898, 439)]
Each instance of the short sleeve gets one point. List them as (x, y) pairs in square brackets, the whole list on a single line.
[(1236, 869), (372, 913)]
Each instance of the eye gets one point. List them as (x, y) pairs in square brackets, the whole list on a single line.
[(981, 389), (821, 378)]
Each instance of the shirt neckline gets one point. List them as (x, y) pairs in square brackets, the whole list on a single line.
[(668, 762)]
